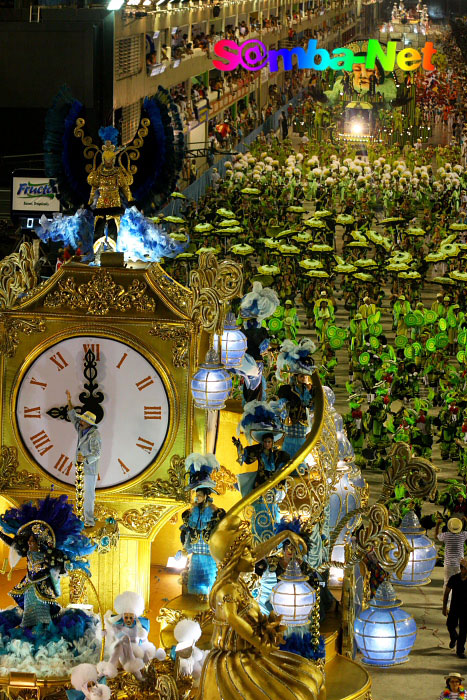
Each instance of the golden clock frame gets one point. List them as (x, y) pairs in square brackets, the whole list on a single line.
[(131, 305), (98, 331)]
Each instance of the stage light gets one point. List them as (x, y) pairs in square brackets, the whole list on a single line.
[(177, 563), (356, 128), (115, 4), (211, 384), (384, 633)]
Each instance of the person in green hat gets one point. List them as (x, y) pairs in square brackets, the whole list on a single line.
[(437, 305), (354, 425), (367, 308), (290, 322), (324, 315), (399, 310), (377, 435), (449, 421)]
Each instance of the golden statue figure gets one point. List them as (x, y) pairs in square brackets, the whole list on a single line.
[(111, 179), (108, 183), (245, 661)]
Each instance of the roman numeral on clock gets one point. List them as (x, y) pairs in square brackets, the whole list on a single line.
[(154, 412), (59, 360), (122, 360), (43, 385), (64, 465), (40, 440), (143, 383), (123, 466), (145, 445), (32, 412), (94, 347)]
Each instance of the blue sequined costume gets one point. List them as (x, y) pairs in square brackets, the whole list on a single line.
[(37, 591), (297, 398), (60, 548), (266, 511), (198, 523)]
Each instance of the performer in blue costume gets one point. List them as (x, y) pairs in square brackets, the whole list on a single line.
[(49, 536), (38, 635), (255, 307), (261, 423), (199, 522), (296, 396)]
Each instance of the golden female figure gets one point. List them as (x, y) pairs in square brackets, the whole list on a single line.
[(245, 661)]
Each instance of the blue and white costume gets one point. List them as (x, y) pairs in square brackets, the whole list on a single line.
[(90, 446)]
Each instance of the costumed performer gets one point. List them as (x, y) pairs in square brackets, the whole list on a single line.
[(189, 657), (38, 635), (199, 522), (89, 682), (49, 536), (261, 423), (127, 634), (88, 451), (255, 307), (297, 395)]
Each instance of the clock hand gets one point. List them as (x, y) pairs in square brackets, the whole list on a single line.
[(91, 398)]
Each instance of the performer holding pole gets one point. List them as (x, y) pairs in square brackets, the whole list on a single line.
[(88, 451)]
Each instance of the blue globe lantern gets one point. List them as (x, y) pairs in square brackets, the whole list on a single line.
[(233, 343), (384, 633), (422, 559), (211, 384)]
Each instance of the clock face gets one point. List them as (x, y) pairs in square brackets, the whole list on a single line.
[(116, 383)]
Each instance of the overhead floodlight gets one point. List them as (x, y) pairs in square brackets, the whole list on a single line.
[(115, 4)]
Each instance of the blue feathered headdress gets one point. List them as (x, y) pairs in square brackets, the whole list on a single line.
[(296, 359), (260, 417), (109, 133), (259, 303), (59, 519), (294, 525), (199, 469)]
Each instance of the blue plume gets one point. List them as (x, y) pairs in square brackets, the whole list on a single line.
[(303, 646), (153, 111), (140, 239), (109, 133), (57, 513), (69, 229), (294, 525), (68, 152), (63, 155)]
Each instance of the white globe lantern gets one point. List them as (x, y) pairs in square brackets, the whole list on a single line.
[(211, 384), (293, 597), (233, 343), (422, 558)]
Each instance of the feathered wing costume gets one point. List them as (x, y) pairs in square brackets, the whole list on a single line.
[(49, 536), (38, 636), (113, 180)]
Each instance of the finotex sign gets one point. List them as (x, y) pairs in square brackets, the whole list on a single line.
[(254, 55)]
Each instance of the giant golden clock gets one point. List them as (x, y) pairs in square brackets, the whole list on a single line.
[(124, 385), (125, 343)]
